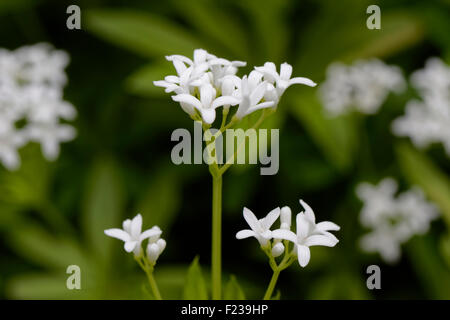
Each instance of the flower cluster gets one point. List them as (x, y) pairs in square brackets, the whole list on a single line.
[(428, 121), (308, 232), (207, 82), (132, 236), (393, 220), (31, 102), (362, 86)]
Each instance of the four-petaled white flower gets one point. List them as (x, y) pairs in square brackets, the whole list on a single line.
[(132, 234), (279, 82), (260, 229), (308, 234)]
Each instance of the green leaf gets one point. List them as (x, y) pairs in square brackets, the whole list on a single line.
[(160, 202), (195, 286), (337, 137), (143, 33), (233, 291), (420, 170), (212, 20), (141, 81), (103, 206), (42, 248)]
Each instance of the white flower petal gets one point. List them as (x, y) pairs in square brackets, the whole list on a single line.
[(251, 219), (327, 226), (136, 226), (118, 234), (270, 219), (303, 226), (309, 213), (303, 255), (243, 234), (320, 240), (153, 232), (285, 235), (224, 100), (187, 99), (130, 246), (301, 80)]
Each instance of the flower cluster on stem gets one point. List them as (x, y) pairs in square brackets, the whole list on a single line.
[(283, 241)]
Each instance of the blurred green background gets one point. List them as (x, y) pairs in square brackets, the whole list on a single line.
[(53, 214)]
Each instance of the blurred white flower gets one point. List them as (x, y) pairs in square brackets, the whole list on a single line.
[(392, 220), (308, 234), (362, 86), (132, 234), (206, 82), (260, 229), (428, 121), (31, 91)]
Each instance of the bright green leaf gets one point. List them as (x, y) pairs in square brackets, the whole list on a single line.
[(233, 291), (195, 286)]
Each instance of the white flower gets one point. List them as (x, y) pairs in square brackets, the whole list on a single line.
[(252, 90), (282, 80), (131, 234), (31, 92), (308, 234), (363, 86), (428, 121), (207, 103), (260, 229), (392, 220)]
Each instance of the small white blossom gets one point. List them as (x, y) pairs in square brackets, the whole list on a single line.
[(308, 234), (362, 86), (260, 229), (279, 82), (132, 234), (392, 220), (428, 121)]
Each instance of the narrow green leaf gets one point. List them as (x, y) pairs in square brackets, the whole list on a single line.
[(420, 170), (195, 287), (144, 33), (103, 206), (233, 291)]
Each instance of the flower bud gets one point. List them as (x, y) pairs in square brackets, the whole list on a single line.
[(161, 243), (285, 218), (152, 252), (277, 249)]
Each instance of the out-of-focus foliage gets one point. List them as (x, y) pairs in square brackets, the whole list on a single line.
[(53, 215)]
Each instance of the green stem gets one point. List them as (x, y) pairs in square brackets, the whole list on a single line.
[(272, 284), (148, 269), (153, 285), (216, 263)]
